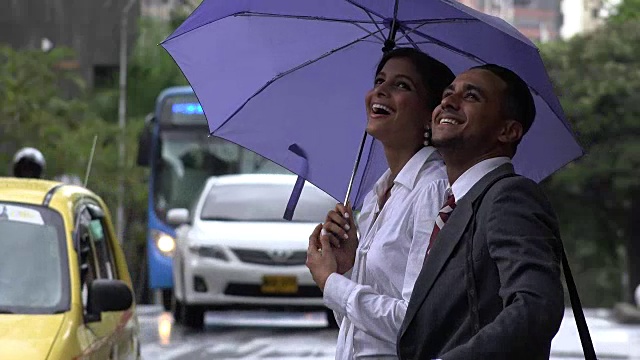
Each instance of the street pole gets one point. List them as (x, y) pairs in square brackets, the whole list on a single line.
[(122, 118)]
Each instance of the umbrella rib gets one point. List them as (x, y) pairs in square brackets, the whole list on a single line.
[(370, 17), (394, 27), (369, 12), (429, 22), (282, 74), (373, 21), (440, 21), (304, 17), (370, 33), (405, 34), (413, 43), (318, 18), (249, 13), (447, 46)]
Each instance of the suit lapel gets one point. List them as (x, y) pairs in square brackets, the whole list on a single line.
[(446, 242)]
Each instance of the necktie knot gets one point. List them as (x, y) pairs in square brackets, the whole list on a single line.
[(449, 202)]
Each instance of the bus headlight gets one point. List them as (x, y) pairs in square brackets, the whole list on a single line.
[(165, 243)]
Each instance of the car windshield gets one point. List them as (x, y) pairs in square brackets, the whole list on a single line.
[(34, 277), (264, 202)]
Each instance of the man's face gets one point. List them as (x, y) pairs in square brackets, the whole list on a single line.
[(470, 117)]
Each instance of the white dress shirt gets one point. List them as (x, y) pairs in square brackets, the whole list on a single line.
[(370, 302), (470, 177)]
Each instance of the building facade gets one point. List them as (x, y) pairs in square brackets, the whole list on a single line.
[(163, 9), (539, 20), (90, 28), (584, 15)]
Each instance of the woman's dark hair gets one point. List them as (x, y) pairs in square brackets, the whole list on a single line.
[(435, 75)]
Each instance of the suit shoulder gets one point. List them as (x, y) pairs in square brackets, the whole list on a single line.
[(516, 183), (518, 190)]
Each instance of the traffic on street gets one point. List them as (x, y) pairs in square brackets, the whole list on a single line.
[(320, 179)]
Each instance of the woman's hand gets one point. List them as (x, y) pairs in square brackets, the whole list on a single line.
[(341, 232), (320, 258)]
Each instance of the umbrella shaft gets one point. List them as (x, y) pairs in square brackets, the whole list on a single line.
[(355, 167)]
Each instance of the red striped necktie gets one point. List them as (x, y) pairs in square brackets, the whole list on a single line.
[(443, 216)]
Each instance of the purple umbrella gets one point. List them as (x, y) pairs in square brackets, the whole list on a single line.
[(287, 78)]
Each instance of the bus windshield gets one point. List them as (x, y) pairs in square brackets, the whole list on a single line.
[(189, 156)]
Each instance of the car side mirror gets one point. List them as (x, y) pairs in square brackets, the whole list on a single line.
[(107, 295), (177, 217)]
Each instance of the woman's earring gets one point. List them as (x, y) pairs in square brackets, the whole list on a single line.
[(427, 137)]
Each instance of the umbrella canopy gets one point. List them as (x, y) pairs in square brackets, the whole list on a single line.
[(287, 78)]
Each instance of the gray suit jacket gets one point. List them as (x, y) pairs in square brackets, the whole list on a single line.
[(490, 287)]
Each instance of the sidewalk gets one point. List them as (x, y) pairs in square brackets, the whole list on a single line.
[(612, 340)]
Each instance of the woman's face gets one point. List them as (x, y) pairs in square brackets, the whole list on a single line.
[(397, 107)]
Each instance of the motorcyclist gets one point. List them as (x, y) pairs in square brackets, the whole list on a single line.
[(28, 162)]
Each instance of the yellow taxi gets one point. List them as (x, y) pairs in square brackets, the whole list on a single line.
[(65, 290)]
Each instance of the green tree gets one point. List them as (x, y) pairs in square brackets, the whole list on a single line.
[(627, 10), (33, 112), (152, 69), (598, 197)]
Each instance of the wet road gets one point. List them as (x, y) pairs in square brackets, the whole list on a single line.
[(262, 335), (237, 335)]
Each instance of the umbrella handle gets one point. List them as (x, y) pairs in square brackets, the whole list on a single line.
[(355, 167)]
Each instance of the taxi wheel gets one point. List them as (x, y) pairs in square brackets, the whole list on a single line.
[(331, 320), (192, 316)]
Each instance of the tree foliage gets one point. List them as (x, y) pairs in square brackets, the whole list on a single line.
[(34, 112), (598, 78), (626, 11)]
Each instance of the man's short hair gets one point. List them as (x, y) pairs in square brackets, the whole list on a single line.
[(519, 104)]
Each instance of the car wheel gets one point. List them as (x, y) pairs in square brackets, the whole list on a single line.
[(192, 316), (167, 294), (331, 320), (176, 310)]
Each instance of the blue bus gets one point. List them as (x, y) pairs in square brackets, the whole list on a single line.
[(176, 147)]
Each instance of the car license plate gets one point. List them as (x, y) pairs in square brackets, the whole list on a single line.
[(273, 284)]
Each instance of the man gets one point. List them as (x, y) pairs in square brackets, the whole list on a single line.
[(490, 286)]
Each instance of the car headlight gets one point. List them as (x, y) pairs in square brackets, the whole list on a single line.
[(209, 251), (164, 242)]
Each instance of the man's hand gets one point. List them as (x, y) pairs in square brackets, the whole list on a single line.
[(321, 260), (340, 230)]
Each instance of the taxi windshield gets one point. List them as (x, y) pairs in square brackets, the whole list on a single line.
[(34, 276)]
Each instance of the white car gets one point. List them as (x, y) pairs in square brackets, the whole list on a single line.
[(235, 250)]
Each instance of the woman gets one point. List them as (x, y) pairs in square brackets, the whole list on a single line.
[(368, 281)]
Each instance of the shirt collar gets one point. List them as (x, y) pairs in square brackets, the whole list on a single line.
[(408, 176), (470, 177)]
